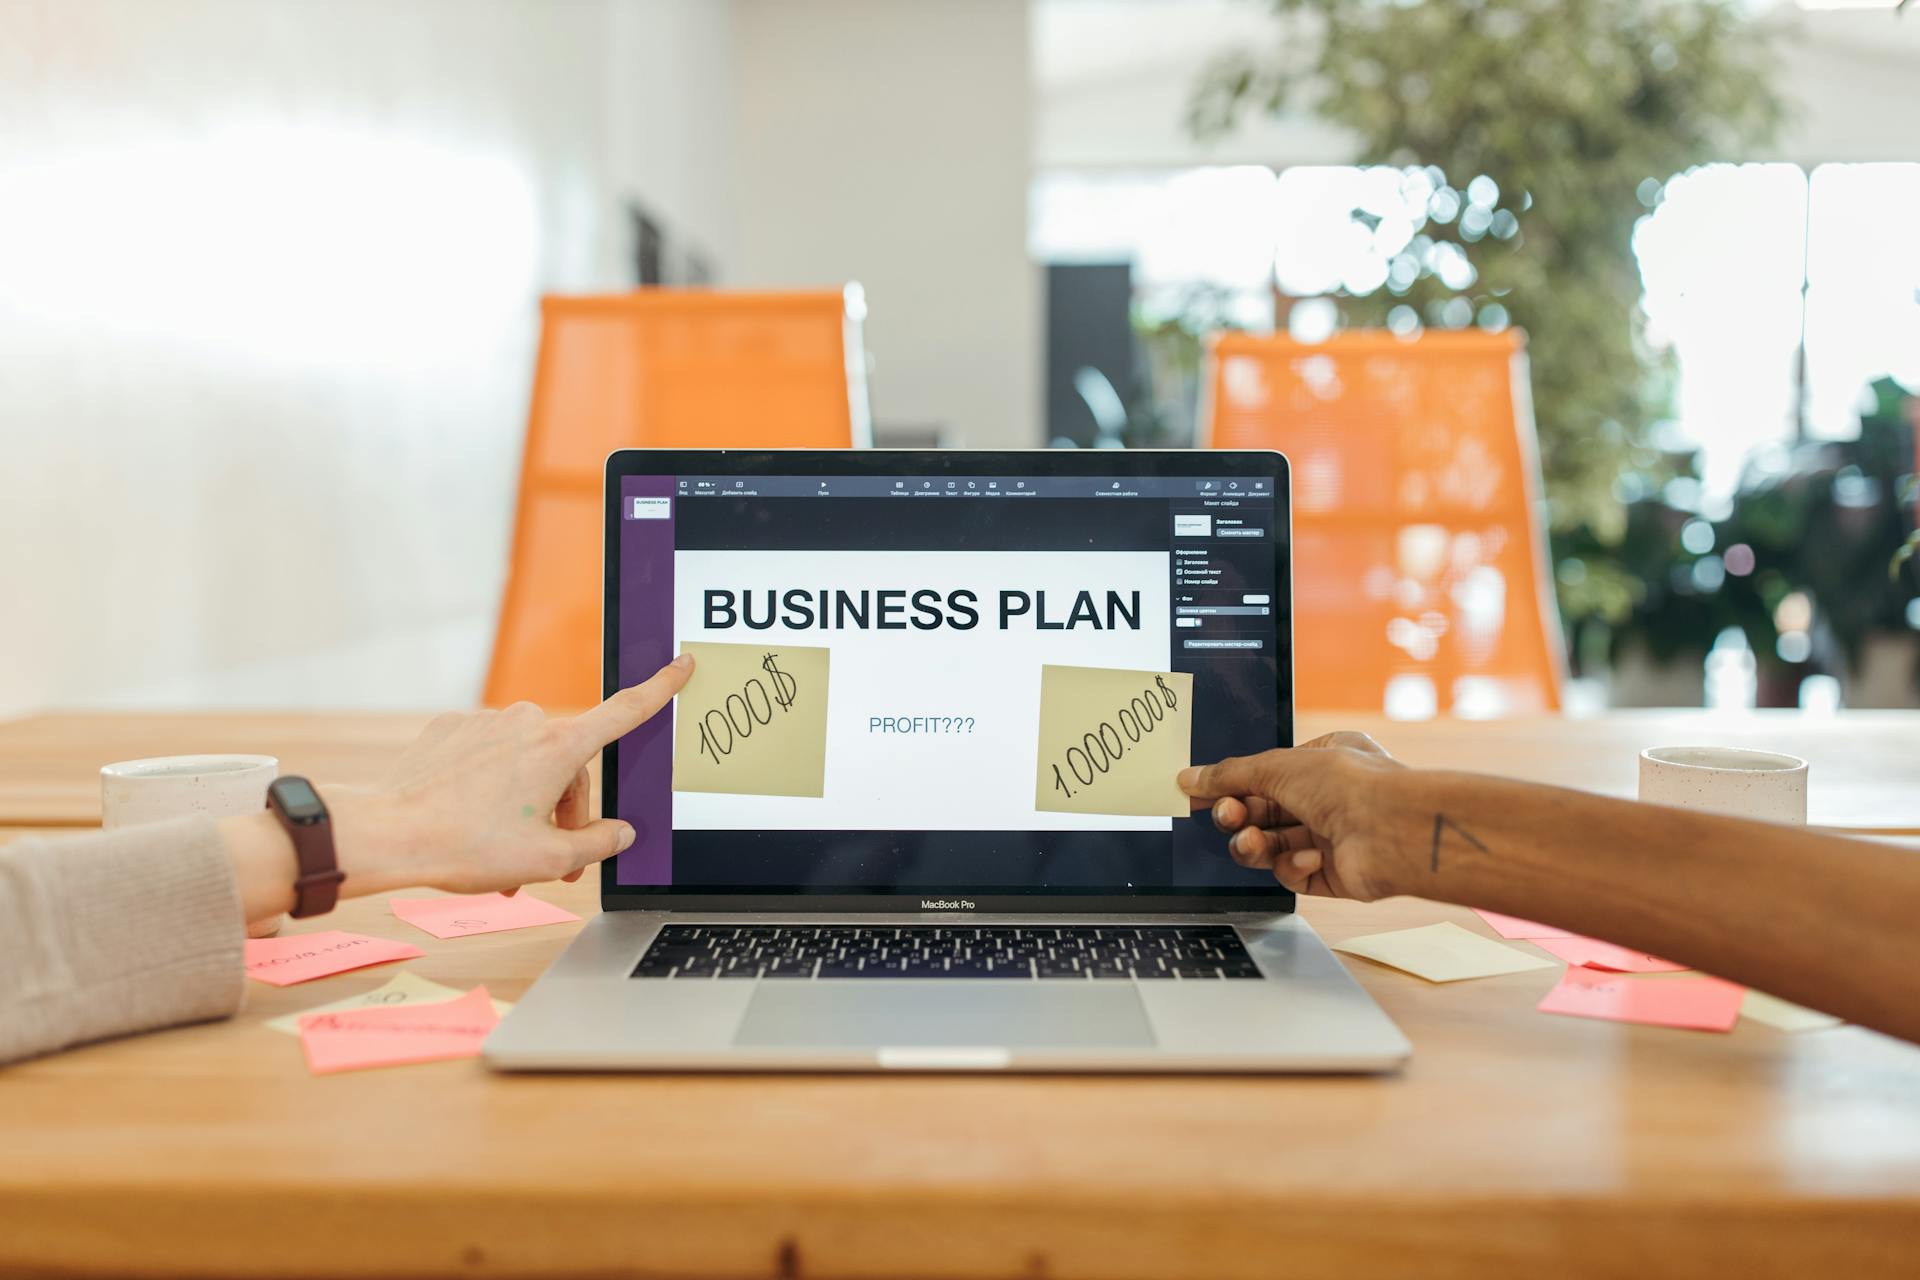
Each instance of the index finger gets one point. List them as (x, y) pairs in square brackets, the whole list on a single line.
[(630, 708)]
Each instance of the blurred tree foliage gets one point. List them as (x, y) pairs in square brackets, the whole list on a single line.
[(1571, 107), (1816, 521)]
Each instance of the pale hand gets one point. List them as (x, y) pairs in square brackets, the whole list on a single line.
[(483, 801)]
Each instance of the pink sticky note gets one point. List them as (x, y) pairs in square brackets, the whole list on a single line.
[(462, 914), (1701, 1004), (305, 956), (1524, 930), (354, 1039), (1596, 954)]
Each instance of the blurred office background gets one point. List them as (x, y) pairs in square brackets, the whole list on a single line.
[(270, 275)]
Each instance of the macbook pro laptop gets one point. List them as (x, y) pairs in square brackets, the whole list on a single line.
[(923, 911)]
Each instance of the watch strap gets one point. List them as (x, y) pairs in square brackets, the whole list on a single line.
[(317, 886)]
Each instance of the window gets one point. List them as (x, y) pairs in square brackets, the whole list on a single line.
[(1722, 263), (1863, 288), (1745, 264)]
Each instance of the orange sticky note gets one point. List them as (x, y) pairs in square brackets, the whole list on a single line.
[(1521, 930), (355, 1039), (1596, 954), (1700, 1004), (458, 915), (305, 956)]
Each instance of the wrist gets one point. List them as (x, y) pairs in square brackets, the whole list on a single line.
[(264, 865), (1450, 828), (371, 841), (1422, 831)]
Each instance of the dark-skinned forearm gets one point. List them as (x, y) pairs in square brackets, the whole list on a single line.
[(1822, 920)]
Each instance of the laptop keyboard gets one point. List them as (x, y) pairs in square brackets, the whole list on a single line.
[(932, 951)]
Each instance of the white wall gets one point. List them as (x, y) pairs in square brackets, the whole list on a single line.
[(888, 141), (669, 116), (1113, 78), (1854, 81), (268, 273)]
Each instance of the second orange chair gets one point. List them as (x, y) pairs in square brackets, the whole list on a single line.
[(1418, 540)]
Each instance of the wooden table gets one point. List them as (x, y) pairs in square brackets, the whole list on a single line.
[(1865, 764), (1514, 1143), (50, 764)]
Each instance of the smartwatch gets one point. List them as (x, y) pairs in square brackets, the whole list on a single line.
[(298, 806)]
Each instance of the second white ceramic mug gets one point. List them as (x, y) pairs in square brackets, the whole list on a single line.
[(137, 791), (1731, 780)]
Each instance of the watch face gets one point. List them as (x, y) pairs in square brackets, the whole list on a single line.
[(298, 800)]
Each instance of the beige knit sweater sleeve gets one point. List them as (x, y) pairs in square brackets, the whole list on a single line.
[(114, 932)]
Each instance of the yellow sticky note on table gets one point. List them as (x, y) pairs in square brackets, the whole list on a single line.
[(1782, 1015), (1443, 953), (752, 721), (404, 987), (1111, 741)]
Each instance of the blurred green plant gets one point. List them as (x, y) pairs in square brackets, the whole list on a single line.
[(1172, 343), (1574, 112), (1805, 548)]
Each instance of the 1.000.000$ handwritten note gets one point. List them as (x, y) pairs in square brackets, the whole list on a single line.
[(1111, 741)]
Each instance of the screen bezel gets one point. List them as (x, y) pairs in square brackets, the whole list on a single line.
[(916, 462)]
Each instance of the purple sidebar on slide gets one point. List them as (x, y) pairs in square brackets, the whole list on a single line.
[(646, 644)]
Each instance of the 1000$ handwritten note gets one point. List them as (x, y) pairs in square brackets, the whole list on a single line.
[(752, 720), (1111, 741)]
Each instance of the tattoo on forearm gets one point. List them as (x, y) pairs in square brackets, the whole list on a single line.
[(1442, 824)]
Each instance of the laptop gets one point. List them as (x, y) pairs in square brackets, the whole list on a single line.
[(923, 908)]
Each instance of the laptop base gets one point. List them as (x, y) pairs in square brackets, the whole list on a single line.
[(1304, 1014)]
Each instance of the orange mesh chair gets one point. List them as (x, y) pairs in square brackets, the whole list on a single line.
[(1419, 564), (667, 369)]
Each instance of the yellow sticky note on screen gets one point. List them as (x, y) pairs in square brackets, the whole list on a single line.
[(752, 721), (1111, 741)]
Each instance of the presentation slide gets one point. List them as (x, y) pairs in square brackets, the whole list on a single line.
[(936, 669), (941, 680)]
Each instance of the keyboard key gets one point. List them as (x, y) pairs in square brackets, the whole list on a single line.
[(788, 970)]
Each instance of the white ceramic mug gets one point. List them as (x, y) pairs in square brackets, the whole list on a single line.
[(1730, 780), (133, 792)]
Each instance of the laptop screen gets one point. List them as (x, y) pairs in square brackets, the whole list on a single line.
[(942, 584)]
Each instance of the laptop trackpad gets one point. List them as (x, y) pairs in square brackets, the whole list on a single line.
[(886, 1012)]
